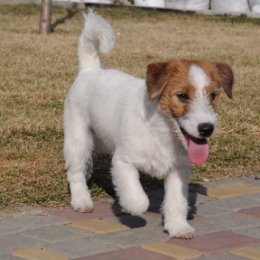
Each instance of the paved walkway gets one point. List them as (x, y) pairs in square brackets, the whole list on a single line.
[(226, 215)]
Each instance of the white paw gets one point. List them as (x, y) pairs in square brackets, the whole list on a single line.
[(80, 198), (135, 205), (180, 230)]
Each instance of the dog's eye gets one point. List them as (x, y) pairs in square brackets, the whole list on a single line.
[(183, 97), (212, 95)]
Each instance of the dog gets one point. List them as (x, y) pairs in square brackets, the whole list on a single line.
[(158, 126)]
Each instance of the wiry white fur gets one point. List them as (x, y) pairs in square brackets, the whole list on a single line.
[(198, 78), (200, 110), (96, 36), (109, 110)]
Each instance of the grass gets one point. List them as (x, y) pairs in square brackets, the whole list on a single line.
[(36, 71)]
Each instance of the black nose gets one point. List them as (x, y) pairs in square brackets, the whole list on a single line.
[(205, 129)]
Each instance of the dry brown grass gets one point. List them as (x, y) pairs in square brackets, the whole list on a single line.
[(36, 72)]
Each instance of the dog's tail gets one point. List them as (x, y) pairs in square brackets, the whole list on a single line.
[(97, 36)]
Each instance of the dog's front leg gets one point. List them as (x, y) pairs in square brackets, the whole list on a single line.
[(128, 187), (175, 207)]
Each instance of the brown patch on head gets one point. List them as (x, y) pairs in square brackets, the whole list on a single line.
[(180, 98), (178, 93), (156, 79), (221, 75), (170, 81), (213, 92)]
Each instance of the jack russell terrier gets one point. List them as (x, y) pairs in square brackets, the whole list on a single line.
[(158, 126)]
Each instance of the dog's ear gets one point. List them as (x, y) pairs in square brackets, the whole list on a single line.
[(226, 78), (156, 79)]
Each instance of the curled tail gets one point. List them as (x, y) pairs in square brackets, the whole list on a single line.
[(97, 36)]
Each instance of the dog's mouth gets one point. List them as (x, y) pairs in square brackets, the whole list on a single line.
[(198, 148)]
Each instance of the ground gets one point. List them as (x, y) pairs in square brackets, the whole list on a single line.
[(37, 70), (224, 213)]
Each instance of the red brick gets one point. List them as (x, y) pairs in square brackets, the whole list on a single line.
[(255, 212), (100, 211), (153, 213), (216, 242), (133, 253)]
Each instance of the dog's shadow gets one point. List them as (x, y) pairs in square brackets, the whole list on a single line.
[(101, 182)]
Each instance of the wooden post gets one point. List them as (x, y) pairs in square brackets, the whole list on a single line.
[(45, 18)]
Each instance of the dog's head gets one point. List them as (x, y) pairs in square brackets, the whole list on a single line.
[(188, 91)]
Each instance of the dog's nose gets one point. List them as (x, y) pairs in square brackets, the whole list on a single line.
[(205, 129)]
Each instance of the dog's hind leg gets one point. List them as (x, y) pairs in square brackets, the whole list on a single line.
[(129, 189), (78, 146)]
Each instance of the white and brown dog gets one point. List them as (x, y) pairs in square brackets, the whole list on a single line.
[(158, 126)]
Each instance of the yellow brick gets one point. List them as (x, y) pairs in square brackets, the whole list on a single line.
[(99, 226), (219, 192), (248, 252), (32, 253), (172, 250), (224, 191)]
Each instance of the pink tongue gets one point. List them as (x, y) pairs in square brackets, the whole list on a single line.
[(198, 153)]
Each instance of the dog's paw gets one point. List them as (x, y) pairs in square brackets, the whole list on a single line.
[(135, 206), (81, 200), (82, 204), (180, 230)]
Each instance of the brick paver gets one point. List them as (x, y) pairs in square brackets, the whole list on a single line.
[(8, 243), (248, 252), (236, 203), (32, 253), (99, 226), (9, 257), (226, 222), (253, 231), (82, 247), (221, 256), (134, 253), (255, 212), (56, 233), (216, 242), (100, 210), (224, 191), (172, 250), (234, 221)]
